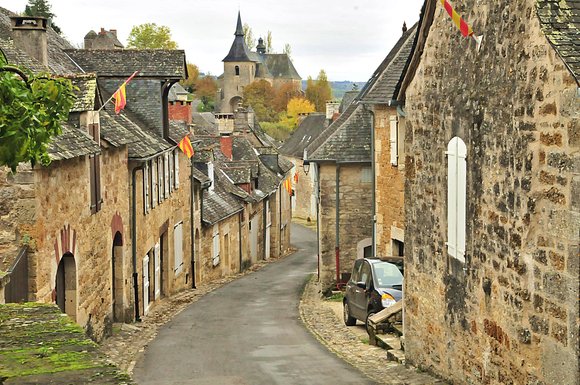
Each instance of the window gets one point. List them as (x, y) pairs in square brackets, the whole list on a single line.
[(95, 171), (171, 172), (237, 69), (394, 141), (178, 247), (216, 245), (160, 191), (176, 166), (166, 175), (365, 274), (456, 197), (153, 183), (146, 188), (366, 175)]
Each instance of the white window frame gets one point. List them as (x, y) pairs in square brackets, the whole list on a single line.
[(215, 245), (456, 197), (393, 139), (178, 248)]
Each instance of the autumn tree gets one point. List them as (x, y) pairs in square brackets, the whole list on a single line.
[(269, 46), (287, 49), (318, 91), (41, 8), (150, 36), (249, 36), (284, 93), (32, 108), (296, 107), (192, 77), (260, 96), (206, 91)]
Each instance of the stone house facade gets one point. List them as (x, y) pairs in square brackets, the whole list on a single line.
[(341, 156), (491, 194), (380, 96)]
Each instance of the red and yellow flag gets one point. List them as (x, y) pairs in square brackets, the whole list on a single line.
[(288, 186), (465, 29), (296, 177), (186, 147), (120, 95)]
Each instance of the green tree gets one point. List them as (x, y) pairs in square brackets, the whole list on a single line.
[(319, 91), (287, 49), (260, 96), (249, 36), (192, 77), (41, 8), (32, 109), (269, 46), (150, 36)]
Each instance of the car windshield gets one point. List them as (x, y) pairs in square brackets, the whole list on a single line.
[(387, 274)]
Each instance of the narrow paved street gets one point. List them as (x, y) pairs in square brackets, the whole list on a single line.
[(247, 332)]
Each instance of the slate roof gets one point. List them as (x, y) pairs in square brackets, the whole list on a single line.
[(85, 91), (280, 66), (72, 143), (348, 139), (305, 133), (238, 175), (202, 125), (200, 176), (114, 131), (177, 130), (560, 21), (239, 51), (383, 85), (121, 63), (16, 56), (219, 204), (177, 92), (347, 99)]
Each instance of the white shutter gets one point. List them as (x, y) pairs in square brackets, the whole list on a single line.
[(146, 188), (171, 172), (160, 179), (393, 141), (145, 284), (216, 245), (157, 259), (153, 183), (456, 198), (166, 175), (178, 247), (176, 165)]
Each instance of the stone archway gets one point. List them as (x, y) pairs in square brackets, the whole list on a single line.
[(117, 279), (66, 285), (235, 102)]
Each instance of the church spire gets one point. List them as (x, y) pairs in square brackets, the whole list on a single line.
[(239, 28)]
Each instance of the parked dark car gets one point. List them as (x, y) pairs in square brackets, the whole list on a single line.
[(373, 286)]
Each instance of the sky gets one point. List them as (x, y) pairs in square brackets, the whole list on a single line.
[(346, 38)]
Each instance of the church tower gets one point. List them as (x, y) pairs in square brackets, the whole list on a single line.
[(239, 71)]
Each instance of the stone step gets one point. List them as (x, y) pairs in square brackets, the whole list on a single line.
[(396, 355), (388, 341)]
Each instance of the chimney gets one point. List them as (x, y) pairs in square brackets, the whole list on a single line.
[(103, 32), (331, 108), (404, 27), (29, 34), (226, 145), (210, 175), (114, 32)]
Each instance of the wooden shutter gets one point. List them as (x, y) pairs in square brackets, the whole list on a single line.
[(393, 141), (160, 191), (456, 197), (166, 175), (216, 245), (178, 247), (153, 183), (171, 172), (176, 165), (145, 284), (146, 188), (157, 264)]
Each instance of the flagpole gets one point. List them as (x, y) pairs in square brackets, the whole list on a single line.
[(111, 98)]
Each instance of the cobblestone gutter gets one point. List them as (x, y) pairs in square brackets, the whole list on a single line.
[(329, 329)]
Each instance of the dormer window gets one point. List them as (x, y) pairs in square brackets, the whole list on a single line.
[(237, 69)]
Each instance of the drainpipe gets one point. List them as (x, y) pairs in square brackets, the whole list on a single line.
[(280, 222), (134, 238), (337, 225), (240, 219), (317, 170), (191, 215), (373, 184), (264, 225), (165, 106)]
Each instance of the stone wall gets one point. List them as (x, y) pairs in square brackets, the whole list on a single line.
[(64, 224), (304, 204), (233, 85), (509, 314), (355, 218), (229, 263), (389, 182)]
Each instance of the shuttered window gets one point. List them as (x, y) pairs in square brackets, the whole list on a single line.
[(154, 183), (171, 172), (456, 197), (393, 141), (146, 197), (176, 165), (166, 175), (216, 245), (95, 171), (178, 247), (160, 192)]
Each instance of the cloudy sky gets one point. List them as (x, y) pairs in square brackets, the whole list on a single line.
[(346, 38)]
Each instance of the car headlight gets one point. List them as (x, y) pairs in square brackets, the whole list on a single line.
[(387, 300)]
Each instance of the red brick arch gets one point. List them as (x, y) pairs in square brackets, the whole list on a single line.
[(117, 226)]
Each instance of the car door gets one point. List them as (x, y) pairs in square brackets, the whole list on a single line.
[(361, 295), (351, 288)]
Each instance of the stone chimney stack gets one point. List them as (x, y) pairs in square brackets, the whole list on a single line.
[(29, 33)]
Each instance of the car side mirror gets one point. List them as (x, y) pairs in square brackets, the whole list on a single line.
[(362, 285)]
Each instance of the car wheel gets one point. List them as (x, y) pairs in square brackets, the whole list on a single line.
[(369, 315), (348, 319)]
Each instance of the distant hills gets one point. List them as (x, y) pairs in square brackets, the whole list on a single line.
[(339, 88)]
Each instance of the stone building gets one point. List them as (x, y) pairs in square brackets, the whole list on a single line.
[(102, 40), (492, 194), (341, 156), (243, 66), (304, 199), (380, 96)]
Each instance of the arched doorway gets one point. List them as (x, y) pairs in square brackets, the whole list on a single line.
[(117, 278), (235, 103), (66, 285)]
